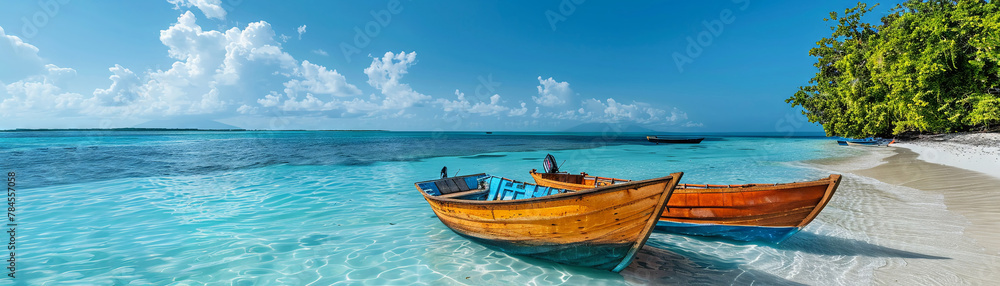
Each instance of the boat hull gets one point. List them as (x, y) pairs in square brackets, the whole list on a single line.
[(732, 232), (654, 139), (732, 212), (871, 143), (849, 143), (600, 228)]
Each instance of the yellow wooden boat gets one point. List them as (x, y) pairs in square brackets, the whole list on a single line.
[(600, 227), (750, 212)]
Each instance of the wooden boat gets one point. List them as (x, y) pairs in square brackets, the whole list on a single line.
[(751, 212), (659, 140), (600, 227), (857, 143), (875, 142)]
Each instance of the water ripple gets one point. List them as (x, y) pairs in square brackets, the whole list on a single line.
[(339, 224)]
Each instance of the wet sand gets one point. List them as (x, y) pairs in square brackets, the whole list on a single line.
[(905, 203), (978, 152), (976, 196)]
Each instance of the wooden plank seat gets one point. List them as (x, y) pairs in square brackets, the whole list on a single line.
[(452, 185), (464, 193)]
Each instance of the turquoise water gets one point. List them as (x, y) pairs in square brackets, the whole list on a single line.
[(269, 208)]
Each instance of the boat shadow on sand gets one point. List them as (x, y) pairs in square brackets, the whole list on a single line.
[(655, 264), (827, 245)]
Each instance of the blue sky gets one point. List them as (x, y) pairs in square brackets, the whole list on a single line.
[(414, 65)]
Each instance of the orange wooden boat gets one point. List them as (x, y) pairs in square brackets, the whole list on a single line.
[(600, 227), (750, 212)]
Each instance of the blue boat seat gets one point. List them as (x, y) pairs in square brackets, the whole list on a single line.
[(505, 189)]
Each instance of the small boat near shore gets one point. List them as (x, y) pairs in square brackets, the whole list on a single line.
[(601, 228), (750, 212), (873, 142), (674, 140)]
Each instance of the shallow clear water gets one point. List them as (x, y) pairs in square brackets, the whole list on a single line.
[(260, 208)]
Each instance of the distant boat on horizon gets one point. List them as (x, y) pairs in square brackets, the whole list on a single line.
[(674, 140)]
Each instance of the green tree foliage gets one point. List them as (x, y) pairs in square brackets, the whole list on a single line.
[(927, 67)]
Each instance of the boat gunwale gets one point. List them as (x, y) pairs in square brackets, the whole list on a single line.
[(832, 182), (760, 187), (667, 193), (683, 188), (553, 197), (827, 196), (583, 174)]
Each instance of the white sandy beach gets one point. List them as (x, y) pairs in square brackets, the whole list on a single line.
[(942, 196), (975, 152)]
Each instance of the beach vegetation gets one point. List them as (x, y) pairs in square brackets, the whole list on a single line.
[(926, 67)]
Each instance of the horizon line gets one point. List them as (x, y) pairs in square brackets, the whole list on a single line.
[(380, 130)]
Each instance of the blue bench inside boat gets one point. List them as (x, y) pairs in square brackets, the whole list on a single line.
[(485, 187)]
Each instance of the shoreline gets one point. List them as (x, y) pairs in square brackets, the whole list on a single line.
[(943, 199), (970, 193), (978, 152)]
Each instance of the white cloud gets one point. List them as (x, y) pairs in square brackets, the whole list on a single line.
[(220, 73), (317, 79), (491, 108), (19, 59), (460, 105), (270, 100), (28, 86), (358, 105), (320, 52), (301, 30), (692, 124), (125, 88), (610, 111), (244, 71), (213, 69), (385, 74), (40, 94), (246, 109), (309, 103), (211, 8), (566, 115), (494, 107), (552, 93), (519, 112), (56, 73)]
